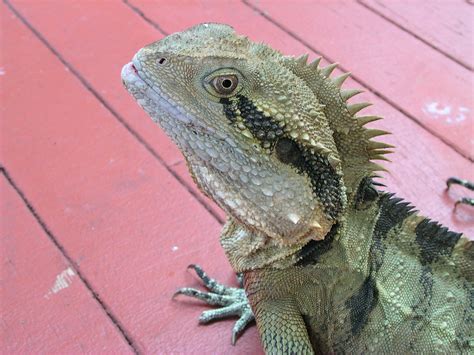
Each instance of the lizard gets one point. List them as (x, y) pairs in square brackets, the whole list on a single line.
[(329, 262)]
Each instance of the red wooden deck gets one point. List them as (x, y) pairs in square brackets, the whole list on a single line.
[(99, 217)]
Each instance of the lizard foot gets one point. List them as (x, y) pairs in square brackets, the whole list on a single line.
[(233, 301), (467, 184)]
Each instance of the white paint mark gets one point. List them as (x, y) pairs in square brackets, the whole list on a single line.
[(436, 109), (447, 113), (462, 114), (63, 280), (174, 248), (2, 71)]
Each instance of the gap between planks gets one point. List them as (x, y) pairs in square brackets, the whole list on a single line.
[(413, 34), (118, 325)]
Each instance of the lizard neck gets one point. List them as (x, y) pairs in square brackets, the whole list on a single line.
[(250, 250), (347, 243)]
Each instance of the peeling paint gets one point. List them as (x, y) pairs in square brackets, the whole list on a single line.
[(63, 280)]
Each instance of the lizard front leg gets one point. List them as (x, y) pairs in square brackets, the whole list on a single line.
[(282, 327), (232, 300), (467, 184), (277, 313)]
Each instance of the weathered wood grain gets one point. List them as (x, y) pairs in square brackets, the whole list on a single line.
[(445, 25), (45, 305)]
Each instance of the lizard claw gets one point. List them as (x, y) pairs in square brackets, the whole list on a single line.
[(232, 300), (467, 184)]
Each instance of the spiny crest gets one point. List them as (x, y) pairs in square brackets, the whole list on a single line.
[(374, 150)]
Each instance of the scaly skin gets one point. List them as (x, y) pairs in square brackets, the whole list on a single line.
[(330, 264)]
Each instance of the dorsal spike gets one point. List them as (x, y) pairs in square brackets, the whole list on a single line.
[(378, 145), (371, 133), (376, 167), (380, 157), (380, 151), (329, 69), (363, 120), (315, 63), (340, 79), (354, 108), (347, 94), (302, 59)]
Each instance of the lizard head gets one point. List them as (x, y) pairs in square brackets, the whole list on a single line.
[(253, 133)]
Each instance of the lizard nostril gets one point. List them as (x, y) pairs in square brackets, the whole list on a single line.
[(161, 61)]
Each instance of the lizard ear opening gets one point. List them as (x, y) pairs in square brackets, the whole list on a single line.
[(287, 151)]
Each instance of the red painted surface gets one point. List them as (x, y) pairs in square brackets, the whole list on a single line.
[(45, 305), (447, 25), (121, 215), (418, 79)]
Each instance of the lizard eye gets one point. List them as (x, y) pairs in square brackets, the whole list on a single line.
[(225, 84)]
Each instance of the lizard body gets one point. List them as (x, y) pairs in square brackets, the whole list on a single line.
[(330, 264)]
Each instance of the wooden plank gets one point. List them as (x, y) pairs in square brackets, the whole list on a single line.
[(46, 308), (422, 162), (419, 80), (128, 224), (446, 25)]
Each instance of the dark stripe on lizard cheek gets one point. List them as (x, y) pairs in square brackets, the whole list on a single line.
[(326, 183), (265, 129)]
